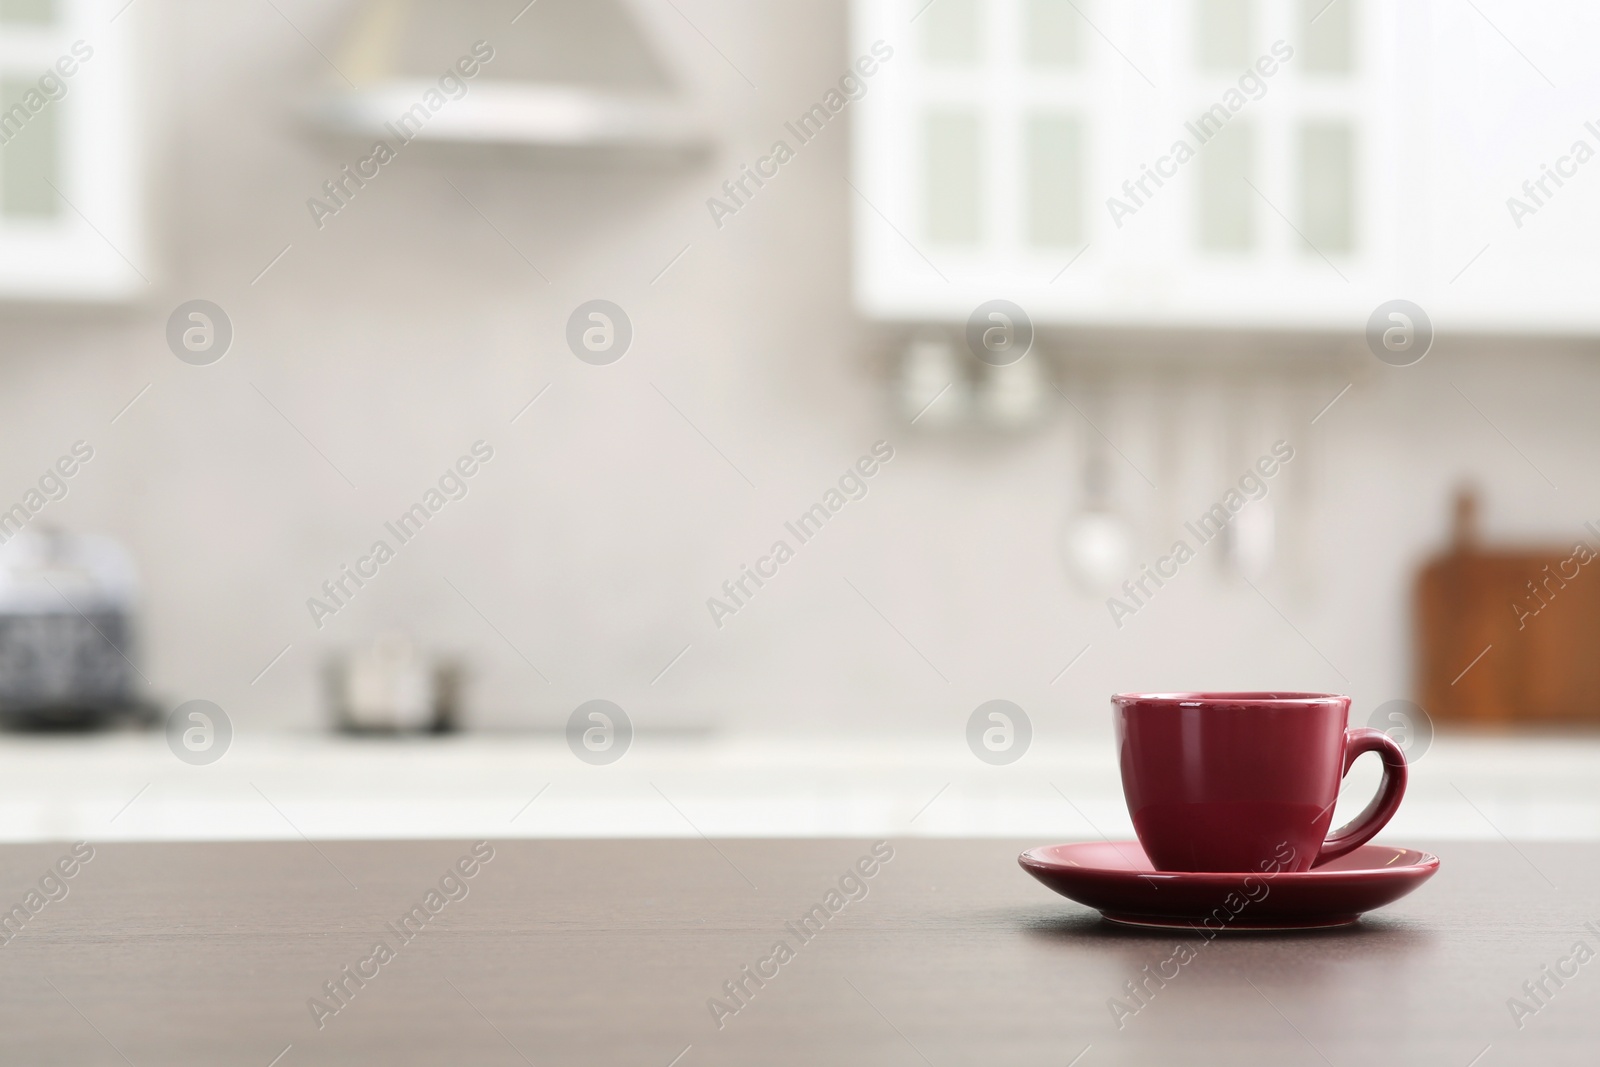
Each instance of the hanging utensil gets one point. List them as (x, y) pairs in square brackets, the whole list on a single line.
[(1096, 541)]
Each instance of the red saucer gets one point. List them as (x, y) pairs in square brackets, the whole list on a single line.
[(1116, 879)]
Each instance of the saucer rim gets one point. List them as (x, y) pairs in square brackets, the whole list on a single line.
[(1426, 861)]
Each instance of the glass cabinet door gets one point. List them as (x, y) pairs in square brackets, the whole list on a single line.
[(70, 225), (1230, 163)]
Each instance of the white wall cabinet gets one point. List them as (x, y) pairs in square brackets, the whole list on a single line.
[(70, 221), (1229, 163)]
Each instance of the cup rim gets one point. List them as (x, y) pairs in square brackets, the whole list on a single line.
[(1269, 698)]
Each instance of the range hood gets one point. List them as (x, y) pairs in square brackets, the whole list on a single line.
[(566, 77)]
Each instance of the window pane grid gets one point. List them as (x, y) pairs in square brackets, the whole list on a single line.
[(1011, 93), (1003, 125), (1053, 34), (30, 155), (1055, 179), (32, 109), (29, 12)]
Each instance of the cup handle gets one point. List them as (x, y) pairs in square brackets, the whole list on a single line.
[(1361, 829)]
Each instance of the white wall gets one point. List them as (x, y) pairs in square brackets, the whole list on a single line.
[(407, 329)]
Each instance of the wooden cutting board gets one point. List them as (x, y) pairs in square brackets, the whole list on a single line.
[(1509, 634)]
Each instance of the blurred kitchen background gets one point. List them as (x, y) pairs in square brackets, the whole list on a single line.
[(939, 155)]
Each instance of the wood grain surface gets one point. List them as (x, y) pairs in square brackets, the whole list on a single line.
[(608, 952)]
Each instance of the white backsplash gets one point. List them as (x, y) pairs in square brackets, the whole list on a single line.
[(381, 347)]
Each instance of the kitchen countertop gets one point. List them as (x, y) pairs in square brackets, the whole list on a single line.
[(611, 952), (282, 786)]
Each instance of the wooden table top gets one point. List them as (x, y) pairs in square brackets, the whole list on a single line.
[(616, 952)]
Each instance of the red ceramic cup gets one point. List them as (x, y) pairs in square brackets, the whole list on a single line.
[(1241, 781)]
